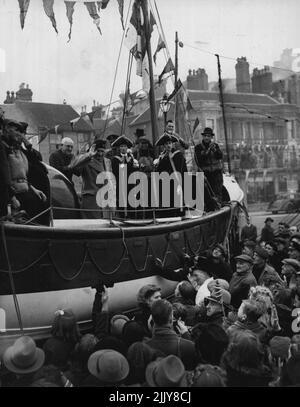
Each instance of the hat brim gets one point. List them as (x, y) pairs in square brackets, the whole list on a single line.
[(165, 138), (149, 376), (7, 360), (212, 299), (121, 317), (92, 368)]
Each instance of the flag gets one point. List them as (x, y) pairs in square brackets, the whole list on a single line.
[(196, 124), (102, 4), (135, 37), (73, 122), (92, 114), (160, 46), (176, 89), (92, 9), (43, 133), (145, 74), (168, 68), (48, 7), (23, 4), (121, 10), (189, 105), (70, 10)]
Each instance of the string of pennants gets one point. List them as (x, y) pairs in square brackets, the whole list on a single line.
[(93, 8)]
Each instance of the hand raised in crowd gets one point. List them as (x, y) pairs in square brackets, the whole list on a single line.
[(181, 327), (92, 151), (274, 320)]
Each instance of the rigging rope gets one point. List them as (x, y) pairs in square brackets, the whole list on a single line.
[(117, 66), (12, 283)]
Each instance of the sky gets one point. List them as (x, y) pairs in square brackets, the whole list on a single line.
[(83, 69)]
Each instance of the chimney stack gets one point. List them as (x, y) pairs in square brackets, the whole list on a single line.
[(243, 82), (262, 81), (197, 80)]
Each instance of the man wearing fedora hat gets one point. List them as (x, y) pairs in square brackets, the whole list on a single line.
[(166, 372), (89, 166), (267, 232), (208, 157), (23, 359)]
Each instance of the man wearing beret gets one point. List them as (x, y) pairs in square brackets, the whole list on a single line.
[(261, 270), (242, 280), (209, 159), (89, 166)]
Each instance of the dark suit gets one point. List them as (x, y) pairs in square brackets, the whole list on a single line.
[(61, 161)]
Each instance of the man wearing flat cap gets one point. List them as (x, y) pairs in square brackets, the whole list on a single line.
[(262, 271), (89, 166), (173, 162), (209, 159), (242, 280)]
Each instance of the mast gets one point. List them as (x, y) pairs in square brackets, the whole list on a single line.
[(176, 57), (223, 113), (152, 101), (176, 79)]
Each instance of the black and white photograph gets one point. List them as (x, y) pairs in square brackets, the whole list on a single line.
[(150, 196)]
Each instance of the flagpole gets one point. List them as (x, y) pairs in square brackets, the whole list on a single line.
[(223, 113), (176, 79), (152, 101)]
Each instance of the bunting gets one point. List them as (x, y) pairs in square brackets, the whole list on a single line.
[(168, 68), (196, 124), (189, 105), (176, 89), (92, 9), (23, 4), (160, 45), (91, 115), (135, 37), (121, 10), (70, 10), (43, 133), (48, 7)]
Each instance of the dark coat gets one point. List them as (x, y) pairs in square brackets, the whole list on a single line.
[(255, 327), (208, 157), (267, 234), (219, 270), (168, 342), (4, 180), (290, 374), (239, 287), (249, 233), (164, 164), (260, 377), (61, 161)]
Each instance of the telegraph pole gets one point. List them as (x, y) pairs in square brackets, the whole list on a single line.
[(223, 112)]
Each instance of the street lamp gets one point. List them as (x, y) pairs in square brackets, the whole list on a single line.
[(165, 106)]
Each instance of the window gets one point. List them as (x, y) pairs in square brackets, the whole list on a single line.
[(54, 142), (210, 123)]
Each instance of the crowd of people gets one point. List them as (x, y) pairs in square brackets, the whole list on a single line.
[(227, 324)]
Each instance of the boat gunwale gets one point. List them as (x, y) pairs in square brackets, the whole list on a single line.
[(26, 231)]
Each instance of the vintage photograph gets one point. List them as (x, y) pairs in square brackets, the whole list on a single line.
[(149, 196)]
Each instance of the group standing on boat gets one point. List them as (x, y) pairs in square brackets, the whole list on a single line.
[(20, 159)]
